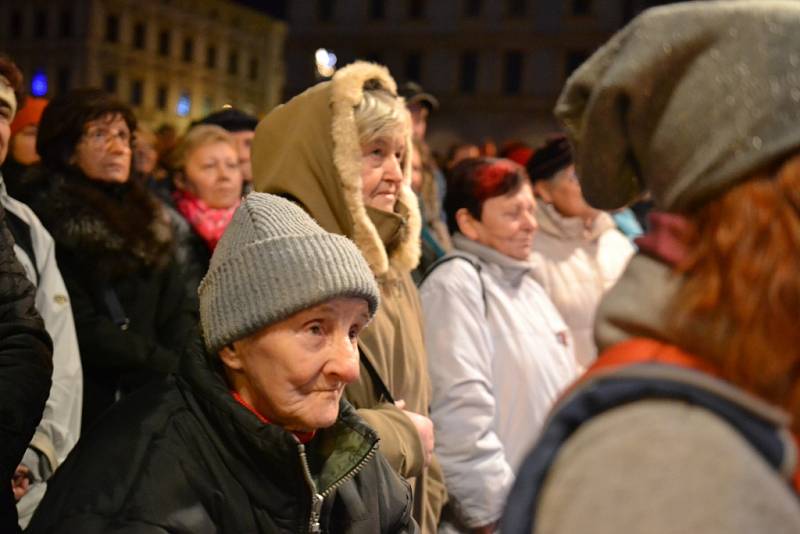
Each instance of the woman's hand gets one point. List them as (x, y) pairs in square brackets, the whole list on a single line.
[(424, 428), (21, 482)]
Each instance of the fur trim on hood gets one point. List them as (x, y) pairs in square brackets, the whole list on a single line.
[(112, 230), (309, 150)]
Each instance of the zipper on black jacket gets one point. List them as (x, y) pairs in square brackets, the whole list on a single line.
[(317, 499)]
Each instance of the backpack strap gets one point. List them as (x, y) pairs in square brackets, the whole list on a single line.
[(607, 386), (469, 259)]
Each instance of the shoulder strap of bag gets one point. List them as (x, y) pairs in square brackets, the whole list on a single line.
[(377, 381), (469, 259)]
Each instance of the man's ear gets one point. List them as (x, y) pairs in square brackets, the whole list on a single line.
[(467, 224), (231, 357)]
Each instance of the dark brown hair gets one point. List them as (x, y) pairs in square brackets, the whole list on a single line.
[(11, 72), (64, 121)]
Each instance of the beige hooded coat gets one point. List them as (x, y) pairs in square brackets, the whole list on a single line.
[(308, 150)]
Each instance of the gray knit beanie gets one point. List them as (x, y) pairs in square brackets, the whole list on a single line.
[(272, 261), (686, 101)]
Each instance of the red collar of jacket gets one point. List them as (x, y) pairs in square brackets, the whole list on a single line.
[(302, 437)]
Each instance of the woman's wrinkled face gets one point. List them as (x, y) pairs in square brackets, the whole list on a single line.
[(103, 153), (294, 371), (23, 145), (563, 191), (382, 171), (213, 175), (508, 224)]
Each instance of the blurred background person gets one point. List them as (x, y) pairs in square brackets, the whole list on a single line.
[(242, 128), (208, 189), (579, 253), (146, 167), (114, 247), (421, 105), (22, 146), (688, 420), (517, 151), (342, 151), (499, 353), (459, 151), (166, 139), (435, 239)]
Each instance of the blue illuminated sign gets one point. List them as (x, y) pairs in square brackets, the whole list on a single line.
[(39, 83), (184, 105)]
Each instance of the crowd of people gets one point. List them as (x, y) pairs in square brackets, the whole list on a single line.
[(310, 323)]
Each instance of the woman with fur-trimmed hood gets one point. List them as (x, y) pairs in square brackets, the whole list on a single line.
[(339, 150), (114, 247)]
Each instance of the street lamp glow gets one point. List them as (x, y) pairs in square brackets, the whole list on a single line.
[(326, 62)]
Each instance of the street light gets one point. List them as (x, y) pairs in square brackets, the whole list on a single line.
[(326, 62)]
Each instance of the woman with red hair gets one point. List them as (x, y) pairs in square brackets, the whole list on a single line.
[(498, 351), (688, 420)]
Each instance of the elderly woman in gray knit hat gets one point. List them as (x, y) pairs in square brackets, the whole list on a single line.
[(688, 420), (252, 434)]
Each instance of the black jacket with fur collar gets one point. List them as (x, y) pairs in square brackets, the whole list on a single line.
[(113, 241)]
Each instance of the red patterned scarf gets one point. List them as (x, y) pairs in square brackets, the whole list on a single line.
[(209, 223)]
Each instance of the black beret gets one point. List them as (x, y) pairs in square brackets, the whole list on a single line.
[(549, 158)]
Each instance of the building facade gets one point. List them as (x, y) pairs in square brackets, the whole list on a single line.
[(497, 66), (173, 61)]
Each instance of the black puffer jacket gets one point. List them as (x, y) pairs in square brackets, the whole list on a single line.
[(25, 369), (114, 245), (184, 457)]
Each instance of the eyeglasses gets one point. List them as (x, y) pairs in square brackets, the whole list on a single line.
[(102, 137)]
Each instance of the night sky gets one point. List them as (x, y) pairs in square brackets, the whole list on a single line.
[(276, 8)]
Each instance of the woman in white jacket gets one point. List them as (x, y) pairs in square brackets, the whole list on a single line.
[(579, 253), (499, 352)]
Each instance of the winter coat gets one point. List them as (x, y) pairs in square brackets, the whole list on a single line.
[(494, 339), (308, 150), (576, 265), (183, 456), (114, 249), (60, 426), (25, 369), (660, 466), (191, 253)]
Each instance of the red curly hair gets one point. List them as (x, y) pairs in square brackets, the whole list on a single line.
[(740, 305)]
